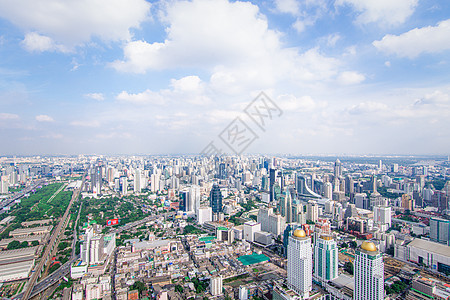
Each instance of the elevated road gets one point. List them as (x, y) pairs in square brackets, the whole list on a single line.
[(51, 245)]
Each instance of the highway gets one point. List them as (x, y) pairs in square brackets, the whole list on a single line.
[(48, 250), (20, 194), (144, 220), (51, 279)]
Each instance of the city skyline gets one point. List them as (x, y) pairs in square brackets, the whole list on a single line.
[(156, 77)]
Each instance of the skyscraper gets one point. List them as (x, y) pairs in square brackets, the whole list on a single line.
[(369, 273), (299, 267), (216, 199), (337, 168), (272, 178), (440, 231), (325, 258)]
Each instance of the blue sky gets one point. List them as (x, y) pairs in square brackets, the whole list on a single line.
[(135, 76)]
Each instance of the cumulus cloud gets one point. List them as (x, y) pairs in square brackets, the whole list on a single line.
[(190, 89), (201, 33), (8, 116), (367, 107), (411, 44), (44, 118), (384, 12), (287, 6), (34, 42), (95, 96), (74, 22), (146, 97), (350, 77), (292, 103)]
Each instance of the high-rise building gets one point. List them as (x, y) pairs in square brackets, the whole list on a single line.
[(216, 286), (272, 179), (440, 231), (204, 214), (382, 216), (124, 185), (361, 201), (194, 195), (325, 258), (138, 181), (216, 199), (369, 273), (299, 267), (328, 190), (337, 168), (407, 202), (312, 211), (270, 222)]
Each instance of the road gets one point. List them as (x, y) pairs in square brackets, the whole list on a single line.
[(20, 194), (48, 250), (141, 221), (51, 279)]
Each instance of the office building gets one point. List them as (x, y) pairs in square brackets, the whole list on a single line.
[(270, 222), (382, 217), (369, 273), (337, 168), (250, 228), (407, 202), (216, 199), (299, 267), (216, 286), (325, 258), (440, 231), (204, 214)]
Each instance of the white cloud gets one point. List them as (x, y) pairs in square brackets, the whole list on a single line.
[(44, 118), (241, 56), (367, 107), (384, 12), (201, 33), (34, 42), (190, 89), (8, 116), (350, 77), (75, 22), (146, 97), (292, 103), (95, 96), (430, 39), (287, 6)]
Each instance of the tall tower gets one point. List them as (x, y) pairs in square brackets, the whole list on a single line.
[(325, 258), (216, 199), (369, 273), (300, 263), (272, 179), (337, 168)]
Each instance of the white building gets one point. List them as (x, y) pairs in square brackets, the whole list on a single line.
[(328, 190), (299, 267), (270, 222), (243, 293), (216, 286), (249, 230), (204, 215), (312, 211), (369, 273), (325, 258), (382, 217)]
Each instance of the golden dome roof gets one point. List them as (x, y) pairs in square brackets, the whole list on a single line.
[(299, 233), (368, 246)]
